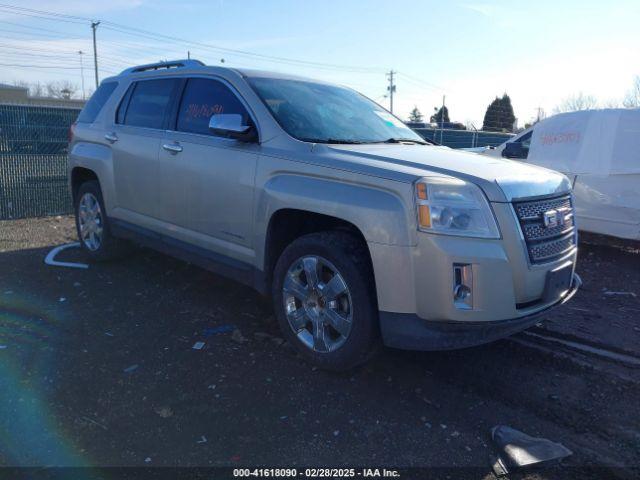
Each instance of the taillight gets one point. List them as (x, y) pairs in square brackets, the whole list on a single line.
[(71, 131)]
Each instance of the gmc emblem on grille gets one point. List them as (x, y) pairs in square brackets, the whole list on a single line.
[(555, 218)]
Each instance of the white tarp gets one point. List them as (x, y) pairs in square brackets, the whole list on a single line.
[(596, 142)]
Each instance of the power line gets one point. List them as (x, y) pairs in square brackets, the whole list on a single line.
[(148, 34), (6, 10), (34, 34), (50, 54), (42, 12), (34, 49), (419, 81), (162, 50), (36, 28), (144, 34), (38, 66), (36, 55)]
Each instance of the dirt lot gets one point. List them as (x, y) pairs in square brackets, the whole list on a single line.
[(97, 369)]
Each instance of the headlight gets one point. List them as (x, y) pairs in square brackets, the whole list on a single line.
[(454, 207)]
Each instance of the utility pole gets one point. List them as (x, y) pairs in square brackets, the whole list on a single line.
[(391, 89), (188, 55), (94, 25), (80, 52)]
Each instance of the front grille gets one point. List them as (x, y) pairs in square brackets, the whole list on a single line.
[(546, 243)]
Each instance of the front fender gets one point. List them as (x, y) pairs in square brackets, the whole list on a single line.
[(380, 214)]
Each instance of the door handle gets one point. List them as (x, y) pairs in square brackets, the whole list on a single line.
[(172, 147), (111, 137)]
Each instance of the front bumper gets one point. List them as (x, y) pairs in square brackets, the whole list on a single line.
[(410, 332)]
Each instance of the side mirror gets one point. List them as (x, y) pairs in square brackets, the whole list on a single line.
[(231, 125), (514, 150)]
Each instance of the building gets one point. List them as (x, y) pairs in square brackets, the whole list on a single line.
[(14, 95)]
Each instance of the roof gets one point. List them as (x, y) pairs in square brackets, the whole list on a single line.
[(6, 86), (173, 65)]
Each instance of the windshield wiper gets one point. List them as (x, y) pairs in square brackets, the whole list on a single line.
[(331, 140), (404, 140)]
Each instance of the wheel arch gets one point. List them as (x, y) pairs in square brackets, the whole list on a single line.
[(80, 175), (288, 224), (290, 205)]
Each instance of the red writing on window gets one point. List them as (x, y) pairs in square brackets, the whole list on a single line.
[(195, 110)]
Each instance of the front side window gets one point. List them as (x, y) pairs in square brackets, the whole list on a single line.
[(518, 148), (149, 102), (525, 143), (317, 112), (203, 98)]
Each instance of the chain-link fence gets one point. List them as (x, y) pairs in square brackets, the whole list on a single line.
[(33, 160), (463, 138)]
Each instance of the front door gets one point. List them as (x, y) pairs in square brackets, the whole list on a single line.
[(208, 180)]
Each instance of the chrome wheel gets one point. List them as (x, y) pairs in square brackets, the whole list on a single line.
[(90, 221), (317, 303)]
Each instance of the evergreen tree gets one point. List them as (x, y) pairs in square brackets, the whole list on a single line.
[(441, 115), (415, 115), (499, 116)]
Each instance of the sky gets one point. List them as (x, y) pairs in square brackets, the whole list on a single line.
[(467, 51)]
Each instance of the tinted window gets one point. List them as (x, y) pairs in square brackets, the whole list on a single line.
[(122, 108), (203, 98), (96, 102), (525, 141), (149, 102)]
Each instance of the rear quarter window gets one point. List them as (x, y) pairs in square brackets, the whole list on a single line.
[(91, 110)]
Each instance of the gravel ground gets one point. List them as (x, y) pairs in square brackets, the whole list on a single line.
[(97, 368)]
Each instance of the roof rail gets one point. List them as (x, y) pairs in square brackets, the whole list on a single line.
[(167, 64)]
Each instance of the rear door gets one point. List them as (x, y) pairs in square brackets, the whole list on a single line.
[(140, 122), (208, 180)]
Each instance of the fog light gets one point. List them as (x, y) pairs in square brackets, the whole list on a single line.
[(463, 286)]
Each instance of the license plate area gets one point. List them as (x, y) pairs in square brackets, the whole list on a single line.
[(558, 282)]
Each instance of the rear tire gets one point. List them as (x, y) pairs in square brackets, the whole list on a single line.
[(324, 299), (92, 225)]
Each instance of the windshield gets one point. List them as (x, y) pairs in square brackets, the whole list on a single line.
[(315, 112)]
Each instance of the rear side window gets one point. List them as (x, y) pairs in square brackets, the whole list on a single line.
[(149, 102), (96, 102), (203, 98)]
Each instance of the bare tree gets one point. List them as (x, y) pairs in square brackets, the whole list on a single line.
[(62, 89), (576, 102), (632, 98), (612, 103), (36, 89), (21, 84)]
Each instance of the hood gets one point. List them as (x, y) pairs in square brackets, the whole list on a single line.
[(502, 180)]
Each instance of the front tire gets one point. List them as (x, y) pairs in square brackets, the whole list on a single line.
[(92, 225), (324, 298)]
